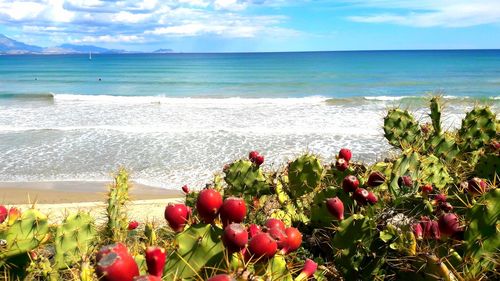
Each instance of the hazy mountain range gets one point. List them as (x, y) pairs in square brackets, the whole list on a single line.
[(10, 46)]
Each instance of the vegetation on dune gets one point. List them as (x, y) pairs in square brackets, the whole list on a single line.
[(431, 213)]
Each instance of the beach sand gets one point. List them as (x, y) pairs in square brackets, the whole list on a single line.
[(57, 199)]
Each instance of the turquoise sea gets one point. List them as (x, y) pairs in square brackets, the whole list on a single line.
[(177, 118)]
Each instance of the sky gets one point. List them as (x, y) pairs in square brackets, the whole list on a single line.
[(255, 25)]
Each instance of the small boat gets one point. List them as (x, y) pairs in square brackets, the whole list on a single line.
[(90, 55)]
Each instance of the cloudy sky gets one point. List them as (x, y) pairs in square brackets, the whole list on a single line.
[(255, 25)]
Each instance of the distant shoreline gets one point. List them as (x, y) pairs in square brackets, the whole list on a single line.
[(242, 52)]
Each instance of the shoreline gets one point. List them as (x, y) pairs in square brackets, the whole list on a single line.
[(60, 192)]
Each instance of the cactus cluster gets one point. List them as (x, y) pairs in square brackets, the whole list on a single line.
[(430, 213)]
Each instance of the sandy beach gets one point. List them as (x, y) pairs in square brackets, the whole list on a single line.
[(56, 199)]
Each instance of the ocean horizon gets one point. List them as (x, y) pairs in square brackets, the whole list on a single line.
[(177, 118)]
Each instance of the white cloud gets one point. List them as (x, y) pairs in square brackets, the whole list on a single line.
[(109, 39), (92, 21), (230, 5), (446, 13)]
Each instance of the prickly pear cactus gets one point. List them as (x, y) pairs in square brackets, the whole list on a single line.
[(401, 129), (304, 175), (482, 236), (406, 164), (433, 171), (478, 127), (444, 146), (117, 223), (150, 234), (274, 269), (25, 234), (351, 245), (488, 166), (244, 177), (74, 239), (199, 247), (320, 216)]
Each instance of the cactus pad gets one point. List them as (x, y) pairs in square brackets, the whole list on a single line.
[(198, 247), (73, 240), (401, 129), (478, 128), (304, 175), (243, 177)]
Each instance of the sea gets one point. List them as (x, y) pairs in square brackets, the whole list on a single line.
[(175, 119)]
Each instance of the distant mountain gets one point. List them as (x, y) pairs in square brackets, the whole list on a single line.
[(11, 46), (88, 48), (163, 51)]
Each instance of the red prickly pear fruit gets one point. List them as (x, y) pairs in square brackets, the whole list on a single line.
[(221, 277), (185, 189), (439, 198), (417, 231), (3, 213), (446, 207), (279, 236), (117, 267), (336, 207), (272, 223), (375, 179), (155, 260), (449, 224), (147, 278), (253, 155), (430, 229), (341, 164), (177, 216), (435, 232), (262, 246), (235, 237), (345, 154), (133, 225), (405, 181), (476, 186), (233, 210), (259, 160), (208, 204), (427, 188), (14, 214), (361, 196), (350, 183), (294, 240), (371, 198), (253, 230), (119, 248), (307, 271)]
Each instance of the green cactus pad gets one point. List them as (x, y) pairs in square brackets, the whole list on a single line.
[(24, 235), (433, 171), (444, 146), (74, 239), (243, 177), (401, 129), (304, 175), (351, 245), (199, 249), (320, 216), (478, 127), (488, 166), (482, 236)]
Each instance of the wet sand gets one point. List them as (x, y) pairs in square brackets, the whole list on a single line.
[(57, 199)]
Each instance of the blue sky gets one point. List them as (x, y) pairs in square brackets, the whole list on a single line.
[(255, 25)]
